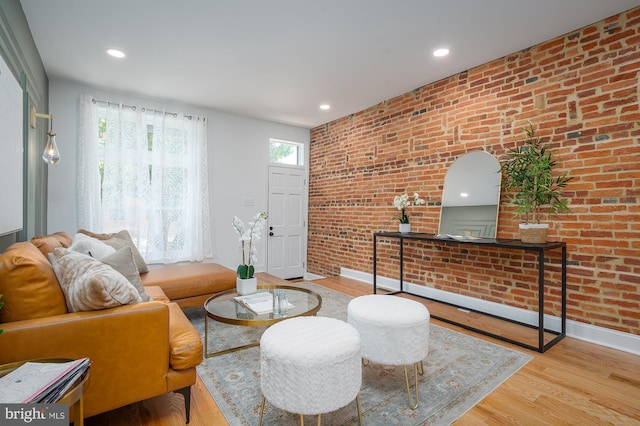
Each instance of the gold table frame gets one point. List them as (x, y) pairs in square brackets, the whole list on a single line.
[(255, 320)]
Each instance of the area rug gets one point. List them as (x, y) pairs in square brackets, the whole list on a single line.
[(459, 371)]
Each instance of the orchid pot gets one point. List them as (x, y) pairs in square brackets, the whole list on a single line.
[(246, 286), (402, 202), (405, 227), (249, 236)]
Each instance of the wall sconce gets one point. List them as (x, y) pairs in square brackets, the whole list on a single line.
[(50, 155)]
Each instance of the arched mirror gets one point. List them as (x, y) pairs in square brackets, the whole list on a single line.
[(471, 196)]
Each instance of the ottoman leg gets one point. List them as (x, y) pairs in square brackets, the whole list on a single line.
[(319, 415), (357, 406), (406, 377), (261, 411)]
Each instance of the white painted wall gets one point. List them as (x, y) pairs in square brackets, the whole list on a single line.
[(238, 163)]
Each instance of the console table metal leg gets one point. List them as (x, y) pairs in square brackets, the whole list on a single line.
[(564, 290), (401, 264), (540, 301), (375, 261)]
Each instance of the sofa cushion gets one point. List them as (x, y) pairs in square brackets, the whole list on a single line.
[(28, 285), (157, 294), (194, 279), (46, 243), (119, 240), (122, 261), (90, 246), (89, 284), (185, 345)]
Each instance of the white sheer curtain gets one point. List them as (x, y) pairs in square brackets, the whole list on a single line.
[(147, 174)]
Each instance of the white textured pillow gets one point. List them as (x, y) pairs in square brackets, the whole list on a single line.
[(123, 262), (90, 285), (90, 246), (119, 240)]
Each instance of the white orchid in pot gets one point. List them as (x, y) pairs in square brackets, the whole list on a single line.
[(402, 202), (246, 283)]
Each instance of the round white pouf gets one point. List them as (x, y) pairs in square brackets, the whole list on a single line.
[(310, 365), (394, 331)]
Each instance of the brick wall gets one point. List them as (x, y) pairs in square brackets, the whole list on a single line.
[(580, 92)]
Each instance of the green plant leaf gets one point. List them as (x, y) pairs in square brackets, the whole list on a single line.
[(245, 271), (527, 174)]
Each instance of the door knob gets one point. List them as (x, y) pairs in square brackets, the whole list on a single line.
[(271, 228), (271, 234)]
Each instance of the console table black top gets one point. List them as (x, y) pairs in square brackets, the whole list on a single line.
[(491, 242)]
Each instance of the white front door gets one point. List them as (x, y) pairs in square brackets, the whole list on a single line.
[(286, 223)]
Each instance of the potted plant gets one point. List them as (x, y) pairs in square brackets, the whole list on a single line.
[(246, 283), (528, 176), (401, 202)]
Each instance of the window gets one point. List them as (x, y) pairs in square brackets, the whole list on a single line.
[(149, 169), (283, 152)]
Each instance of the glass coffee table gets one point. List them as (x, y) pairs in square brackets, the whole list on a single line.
[(223, 308)]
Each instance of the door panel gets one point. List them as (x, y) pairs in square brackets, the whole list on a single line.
[(286, 222)]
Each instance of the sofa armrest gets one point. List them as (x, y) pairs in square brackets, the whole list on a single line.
[(128, 347), (184, 340)]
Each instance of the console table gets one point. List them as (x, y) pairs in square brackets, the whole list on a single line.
[(540, 249)]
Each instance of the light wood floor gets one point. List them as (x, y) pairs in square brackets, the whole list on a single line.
[(574, 383)]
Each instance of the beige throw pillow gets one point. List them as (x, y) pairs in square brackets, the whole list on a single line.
[(119, 240), (89, 284), (122, 261)]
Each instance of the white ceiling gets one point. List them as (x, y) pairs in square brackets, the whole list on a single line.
[(278, 60)]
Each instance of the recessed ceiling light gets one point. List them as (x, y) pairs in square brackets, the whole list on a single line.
[(116, 53), (325, 106), (440, 52)]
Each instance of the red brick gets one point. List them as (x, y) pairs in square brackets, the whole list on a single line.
[(587, 84)]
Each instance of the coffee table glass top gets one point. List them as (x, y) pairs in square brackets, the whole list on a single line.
[(221, 307)]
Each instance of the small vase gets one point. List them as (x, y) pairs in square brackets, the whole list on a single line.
[(405, 227), (246, 286)]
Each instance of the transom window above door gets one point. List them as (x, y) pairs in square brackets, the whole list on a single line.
[(284, 152)]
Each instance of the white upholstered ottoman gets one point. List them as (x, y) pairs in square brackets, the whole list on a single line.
[(393, 331), (310, 365)]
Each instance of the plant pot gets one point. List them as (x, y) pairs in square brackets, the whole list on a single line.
[(534, 232), (246, 286), (405, 227)]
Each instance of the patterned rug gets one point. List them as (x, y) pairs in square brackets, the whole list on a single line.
[(460, 370)]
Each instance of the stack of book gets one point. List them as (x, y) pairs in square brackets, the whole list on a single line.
[(258, 303), (41, 382)]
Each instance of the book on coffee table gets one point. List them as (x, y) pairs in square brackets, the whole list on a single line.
[(258, 303)]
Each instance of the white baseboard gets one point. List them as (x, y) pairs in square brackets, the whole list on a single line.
[(626, 342)]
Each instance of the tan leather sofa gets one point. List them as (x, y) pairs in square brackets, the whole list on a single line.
[(137, 351)]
